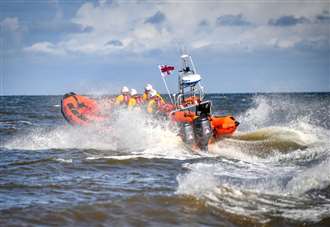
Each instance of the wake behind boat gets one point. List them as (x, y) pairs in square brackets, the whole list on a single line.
[(187, 110)]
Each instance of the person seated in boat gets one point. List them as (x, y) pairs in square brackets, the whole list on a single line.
[(124, 97), (135, 100), (155, 102), (146, 94)]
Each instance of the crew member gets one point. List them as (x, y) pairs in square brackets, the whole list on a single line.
[(124, 97), (155, 102), (135, 99), (146, 94)]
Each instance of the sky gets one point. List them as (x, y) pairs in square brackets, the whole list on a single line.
[(53, 47)]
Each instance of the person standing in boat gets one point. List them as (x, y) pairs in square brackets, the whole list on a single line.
[(135, 100), (155, 102), (124, 97)]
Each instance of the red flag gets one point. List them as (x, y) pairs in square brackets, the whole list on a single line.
[(165, 70)]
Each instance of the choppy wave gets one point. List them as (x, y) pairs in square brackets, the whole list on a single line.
[(271, 168)]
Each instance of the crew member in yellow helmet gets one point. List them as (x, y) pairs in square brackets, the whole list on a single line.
[(135, 99), (155, 102), (124, 97)]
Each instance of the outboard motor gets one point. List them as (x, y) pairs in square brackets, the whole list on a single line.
[(187, 133), (202, 131)]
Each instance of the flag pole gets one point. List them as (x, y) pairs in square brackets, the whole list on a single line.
[(167, 89)]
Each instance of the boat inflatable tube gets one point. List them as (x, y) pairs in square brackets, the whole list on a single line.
[(221, 125), (80, 110)]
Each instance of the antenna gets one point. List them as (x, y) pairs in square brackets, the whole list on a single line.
[(183, 50), (193, 65)]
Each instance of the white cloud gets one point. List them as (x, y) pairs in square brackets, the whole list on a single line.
[(125, 22), (45, 47)]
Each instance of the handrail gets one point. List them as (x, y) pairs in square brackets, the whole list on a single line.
[(189, 107), (178, 102)]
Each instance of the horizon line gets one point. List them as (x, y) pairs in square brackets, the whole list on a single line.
[(210, 93)]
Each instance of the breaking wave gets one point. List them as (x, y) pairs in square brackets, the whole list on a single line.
[(270, 168), (131, 134)]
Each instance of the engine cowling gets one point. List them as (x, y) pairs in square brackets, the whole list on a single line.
[(187, 133)]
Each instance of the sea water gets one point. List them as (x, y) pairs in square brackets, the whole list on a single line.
[(275, 170)]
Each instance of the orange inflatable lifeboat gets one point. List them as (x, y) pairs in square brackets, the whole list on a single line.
[(188, 108), (197, 128), (80, 110)]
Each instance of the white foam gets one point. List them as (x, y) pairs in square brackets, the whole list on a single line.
[(64, 137), (317, 177), (257, 190), (268, 168), (132, 132), (64, 160), (26, 122), (256, 116)]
